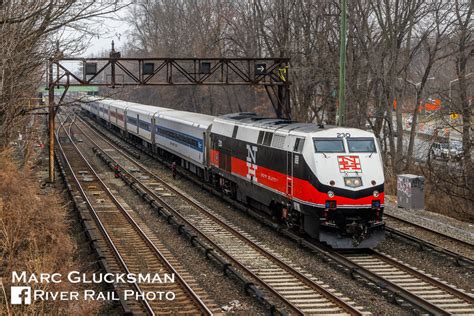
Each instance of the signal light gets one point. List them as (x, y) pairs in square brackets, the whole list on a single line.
[(331, 194), (376, 193), (91, 69), (205, 68), (148, 68), (260, 69)]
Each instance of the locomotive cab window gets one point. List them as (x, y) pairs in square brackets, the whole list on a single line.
[(265, 138), (328, 145), (298, 145), (361, 145), (260, 137)]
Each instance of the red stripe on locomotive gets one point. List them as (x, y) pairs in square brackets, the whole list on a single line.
[(302, 189)]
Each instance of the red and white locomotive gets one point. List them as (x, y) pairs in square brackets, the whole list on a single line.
[(325, 181)]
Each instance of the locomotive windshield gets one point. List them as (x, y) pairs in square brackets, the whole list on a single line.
[(328, 145), (361, 145)]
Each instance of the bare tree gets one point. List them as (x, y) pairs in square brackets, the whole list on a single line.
[(465, 52), (394, 47), (27, 33)]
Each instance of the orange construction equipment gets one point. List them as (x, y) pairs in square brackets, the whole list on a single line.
[(433, 106)]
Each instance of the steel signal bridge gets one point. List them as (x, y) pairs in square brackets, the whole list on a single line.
[(115, 71)]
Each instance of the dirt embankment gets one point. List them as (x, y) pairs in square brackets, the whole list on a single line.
[(36, 236)]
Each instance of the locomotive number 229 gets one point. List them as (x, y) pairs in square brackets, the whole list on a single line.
[(343, 135)]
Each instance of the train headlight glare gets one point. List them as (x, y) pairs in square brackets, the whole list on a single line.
[(353, 182), (376, 193), (330, 194)]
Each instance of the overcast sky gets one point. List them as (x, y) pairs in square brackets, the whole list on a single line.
[(115, 28)]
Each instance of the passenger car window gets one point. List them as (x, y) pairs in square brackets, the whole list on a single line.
[(328, 145), (361, 145)]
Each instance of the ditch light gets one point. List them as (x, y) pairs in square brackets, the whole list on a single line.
[(205, 68)]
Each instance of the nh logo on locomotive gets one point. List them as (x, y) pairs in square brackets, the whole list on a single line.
[(349, 164), (252, 163)]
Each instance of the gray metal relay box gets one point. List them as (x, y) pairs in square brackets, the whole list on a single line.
[(410, 191)]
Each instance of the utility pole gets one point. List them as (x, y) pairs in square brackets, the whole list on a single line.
[(342, 66), (114, 55), (51, 120), (52, 108)]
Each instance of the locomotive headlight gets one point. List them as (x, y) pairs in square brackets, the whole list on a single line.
[(330, 194), (376, 193), (353, 182)]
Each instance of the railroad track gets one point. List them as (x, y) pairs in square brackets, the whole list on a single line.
[(127, 247), (298, 291), (423, 292), (422, 243), (452, 242), (433, 295)]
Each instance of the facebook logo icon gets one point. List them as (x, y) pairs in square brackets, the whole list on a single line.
[(20, 295)]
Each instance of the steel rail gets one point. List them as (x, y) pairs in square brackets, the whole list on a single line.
[(396, 290), (452, 238), (99, 224), (331, 297), (142, 234), (458, 258), (424, 277)]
